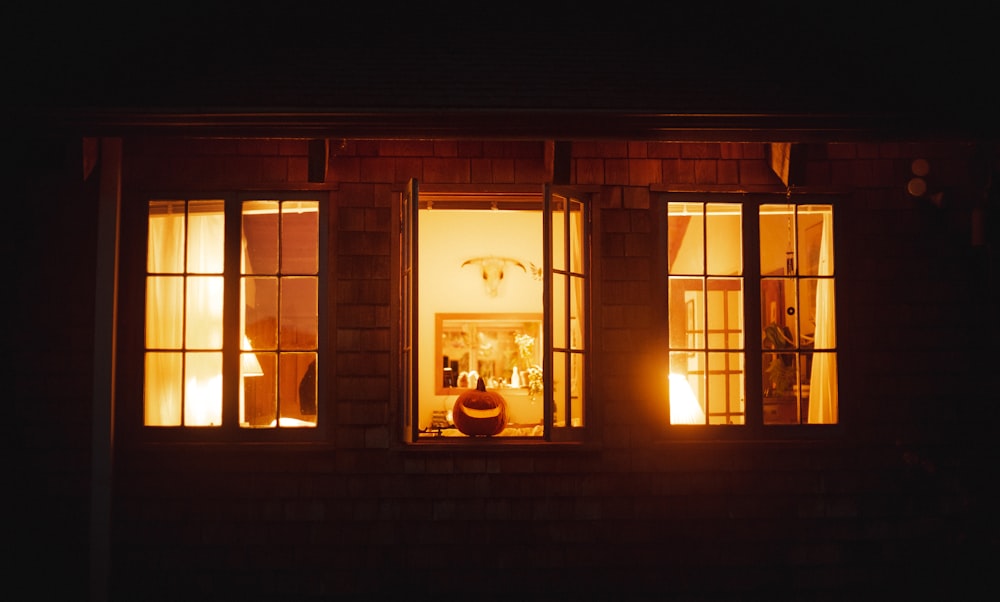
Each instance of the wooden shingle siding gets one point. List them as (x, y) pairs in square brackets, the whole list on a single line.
[(891, 504)]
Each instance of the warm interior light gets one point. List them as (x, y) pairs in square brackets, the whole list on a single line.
[(203, 401), (684, 406), (248, 361)]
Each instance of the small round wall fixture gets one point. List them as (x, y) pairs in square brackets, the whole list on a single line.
[(920, 167), (916, 187)]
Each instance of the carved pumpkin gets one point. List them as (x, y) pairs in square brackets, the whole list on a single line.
[(480, 413)]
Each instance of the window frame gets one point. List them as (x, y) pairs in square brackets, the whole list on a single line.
[(754, 427), (129, 413), (406, 261)]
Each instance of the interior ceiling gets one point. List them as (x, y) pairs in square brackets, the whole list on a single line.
[(678, 225)]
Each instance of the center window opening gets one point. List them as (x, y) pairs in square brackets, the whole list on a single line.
[(481, 315), (495, 300)]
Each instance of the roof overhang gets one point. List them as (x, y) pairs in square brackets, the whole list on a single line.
[(551, 124)]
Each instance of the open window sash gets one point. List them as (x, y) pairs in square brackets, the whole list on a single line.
[(566, 218), (409, 209)]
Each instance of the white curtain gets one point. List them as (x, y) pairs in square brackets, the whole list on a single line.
[(167, 318), (164, 316), (823, 378)]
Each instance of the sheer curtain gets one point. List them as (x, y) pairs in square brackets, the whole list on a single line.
[(184, 313), (164, 315), (823, 378)]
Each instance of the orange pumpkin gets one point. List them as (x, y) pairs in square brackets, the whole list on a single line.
[(480, 413)]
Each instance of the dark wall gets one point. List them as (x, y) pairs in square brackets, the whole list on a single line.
[(49, 243), (897, 502)]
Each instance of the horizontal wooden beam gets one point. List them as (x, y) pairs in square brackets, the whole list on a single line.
[(512, 125)]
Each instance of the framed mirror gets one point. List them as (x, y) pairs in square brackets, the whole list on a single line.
[(501, 348)]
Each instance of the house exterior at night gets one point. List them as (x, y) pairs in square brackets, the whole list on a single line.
[(345, 483)]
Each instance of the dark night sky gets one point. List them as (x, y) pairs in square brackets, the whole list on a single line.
[(710, 58)]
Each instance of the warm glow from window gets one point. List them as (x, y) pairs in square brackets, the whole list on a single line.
[(706, 323), (184, 310), (798, 317), (706, 284), (480, 295), (684, 406), (277, 343), (279, 295), (495, 286)]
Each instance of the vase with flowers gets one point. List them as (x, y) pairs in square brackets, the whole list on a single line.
[(531, 374)]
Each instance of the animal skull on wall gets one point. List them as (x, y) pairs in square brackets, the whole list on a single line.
[(492, 269)]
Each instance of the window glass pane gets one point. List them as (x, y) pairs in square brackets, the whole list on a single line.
[(687, 313), (725, 313), (260, 237), (299, 326), (576, 322), (299, 237), (165, 253), (559, 320), (575, 226), (780, 374), (559, 233), (162, 390), (203, 316), (577, 390), (206, 237), (687, 388), (819, 388), (724, 388), (297, 389), (733, 299), (685, 238), (260, 306), (724, 239), (164, 312), (260, 393), (203, 389), (815, 240), (778, 342), (560, 389), (817, 316), (777, 240), (778, 309)]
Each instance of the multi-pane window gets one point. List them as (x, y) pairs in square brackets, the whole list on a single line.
[(797, 314), (712, 262), (706, 313), (232, 314), (495, 287)]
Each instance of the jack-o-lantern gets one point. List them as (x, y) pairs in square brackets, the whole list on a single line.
[(480, 413)]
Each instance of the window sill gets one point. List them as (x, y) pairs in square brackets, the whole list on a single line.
[(778, 434), (492, 444)]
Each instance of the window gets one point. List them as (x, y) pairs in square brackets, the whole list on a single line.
[(718, 250), (232, 314), (496, 287)]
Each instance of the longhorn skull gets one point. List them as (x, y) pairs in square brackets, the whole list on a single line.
[(492, 269)]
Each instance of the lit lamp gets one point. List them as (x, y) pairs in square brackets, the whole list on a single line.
[(684, 406), (249, 364)]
